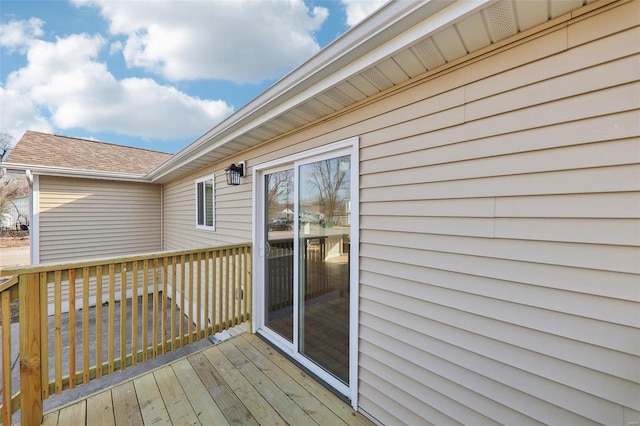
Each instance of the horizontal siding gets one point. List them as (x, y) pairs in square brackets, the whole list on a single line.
[(85, 218), (500, 231), (500, 243), (232, 213)]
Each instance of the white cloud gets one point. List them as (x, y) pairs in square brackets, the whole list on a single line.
[(16, 35), (115, 47), (65, 81), (357, 10), (244, 41), (19, 113)]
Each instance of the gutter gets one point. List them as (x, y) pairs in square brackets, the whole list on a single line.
[(31, 169)]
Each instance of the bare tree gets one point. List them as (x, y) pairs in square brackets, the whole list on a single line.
[(279, 190), (6, 144), (331, 180), (11, 187)]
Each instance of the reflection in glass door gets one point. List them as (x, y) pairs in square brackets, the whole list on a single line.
[(278, 227), (324, 200), (306, 235)]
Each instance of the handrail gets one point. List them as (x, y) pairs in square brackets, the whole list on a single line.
[(45, 267), (8, 284), (80, 321)]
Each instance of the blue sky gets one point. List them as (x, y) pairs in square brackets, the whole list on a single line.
[(154, 74)]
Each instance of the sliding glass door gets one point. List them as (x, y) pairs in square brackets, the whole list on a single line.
[(278, 265), (305, 241), (323, 259)]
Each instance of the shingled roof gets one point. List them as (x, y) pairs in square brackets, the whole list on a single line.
[(45, 150)]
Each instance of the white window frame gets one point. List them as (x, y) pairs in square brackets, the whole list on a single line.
[(203, 226)]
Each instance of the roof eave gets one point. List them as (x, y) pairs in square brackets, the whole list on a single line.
[(321, 72), (74, 173)]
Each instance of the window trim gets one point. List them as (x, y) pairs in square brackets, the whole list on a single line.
[(198, 199)]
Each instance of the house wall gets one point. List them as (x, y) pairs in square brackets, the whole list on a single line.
[(500, 231), (232, 212), (87, 218)]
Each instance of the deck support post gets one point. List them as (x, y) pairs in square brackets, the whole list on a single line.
[(30, 349)]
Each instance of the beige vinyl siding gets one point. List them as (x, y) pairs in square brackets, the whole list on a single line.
[(499, 244), (500, 231), (232, 213), (87, 218)]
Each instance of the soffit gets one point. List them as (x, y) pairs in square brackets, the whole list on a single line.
[(388, 63)]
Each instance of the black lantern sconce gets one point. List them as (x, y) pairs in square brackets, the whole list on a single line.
[(234, 172)]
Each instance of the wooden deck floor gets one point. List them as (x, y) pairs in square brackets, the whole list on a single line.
[(240, 381)]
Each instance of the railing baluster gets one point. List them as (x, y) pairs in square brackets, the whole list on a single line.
[(240, 291), (85, 325), (174, 290), (182, 297), (134, 313), (72, 328), (98, 321), (123, 316), (214, 290), (57, 320), (220, 288), (6, 358), (227, 284), (145, 309), (207, 283), (234, 287), (44, 336), (112, 316), (154, 313), (190, 327), (198, 294), (164, 305)]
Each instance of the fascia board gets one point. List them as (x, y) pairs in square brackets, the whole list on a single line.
[(77, 173), (277, 100)]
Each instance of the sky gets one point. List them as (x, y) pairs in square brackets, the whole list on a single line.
[(153, 74)]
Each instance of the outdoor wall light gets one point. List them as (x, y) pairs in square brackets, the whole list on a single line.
[(234, 172)]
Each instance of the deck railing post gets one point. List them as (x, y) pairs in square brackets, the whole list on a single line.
[(30, 344)]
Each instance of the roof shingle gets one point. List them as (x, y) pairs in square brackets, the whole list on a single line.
[(42, 149)]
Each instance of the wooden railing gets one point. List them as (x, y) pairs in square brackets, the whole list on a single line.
[(82, 321), (319, 277)]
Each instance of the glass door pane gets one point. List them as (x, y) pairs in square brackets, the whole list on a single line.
[(279, 252), (323, 256)]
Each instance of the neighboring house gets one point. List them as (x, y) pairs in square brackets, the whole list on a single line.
[(89, 197), (483, 229)]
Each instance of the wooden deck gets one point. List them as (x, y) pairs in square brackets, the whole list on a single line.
[(240, 381)]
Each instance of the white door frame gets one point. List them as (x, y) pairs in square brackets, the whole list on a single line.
[(345, 147)]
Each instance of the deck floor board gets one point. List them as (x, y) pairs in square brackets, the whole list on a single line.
[(259, 407), (100, 409), (223, 395), (203, 404), (174, 397), (152, 406), (240, 381), (278, 399), (126, 408)]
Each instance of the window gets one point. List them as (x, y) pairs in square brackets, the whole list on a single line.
[(204, 204)]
